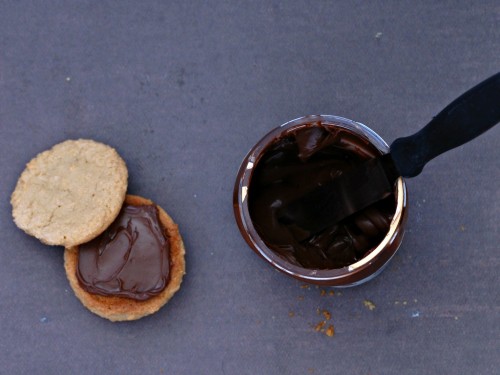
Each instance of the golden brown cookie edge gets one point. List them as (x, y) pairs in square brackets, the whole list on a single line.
[(124, 309)]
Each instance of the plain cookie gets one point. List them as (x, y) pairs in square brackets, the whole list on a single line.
[(71, 193), (122, 308)]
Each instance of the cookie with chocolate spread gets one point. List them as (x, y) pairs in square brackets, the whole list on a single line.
[(69, 194), (133, 268)]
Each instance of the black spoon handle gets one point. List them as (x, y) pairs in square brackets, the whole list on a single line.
[(464, 119)]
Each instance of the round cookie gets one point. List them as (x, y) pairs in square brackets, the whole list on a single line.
[(71, 193), (121, 308)]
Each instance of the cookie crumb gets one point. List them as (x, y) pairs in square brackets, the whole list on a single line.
[(318, 327), (323, 292), (330, 331), (327, 314), (291, 314), (369, 305), (331, 293)]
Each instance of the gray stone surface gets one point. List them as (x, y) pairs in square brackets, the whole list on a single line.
[(183, 90)]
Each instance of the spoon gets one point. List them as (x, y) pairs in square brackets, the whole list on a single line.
[(468, 116)]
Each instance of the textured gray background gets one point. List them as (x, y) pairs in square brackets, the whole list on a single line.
[(183, 90)]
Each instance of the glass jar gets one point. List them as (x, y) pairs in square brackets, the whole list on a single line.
[(374, 260)]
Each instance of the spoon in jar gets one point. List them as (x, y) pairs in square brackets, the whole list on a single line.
[(468, 116)]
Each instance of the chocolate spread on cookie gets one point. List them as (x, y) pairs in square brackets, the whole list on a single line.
[(130, 259), (296, 163)]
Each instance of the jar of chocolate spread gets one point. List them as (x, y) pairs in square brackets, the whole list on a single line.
[(295, 159)]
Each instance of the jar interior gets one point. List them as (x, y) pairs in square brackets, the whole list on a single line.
[(297, 161)]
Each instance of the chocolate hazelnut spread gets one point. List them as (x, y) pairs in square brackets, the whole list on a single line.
[(130, 259), (293, 165)]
